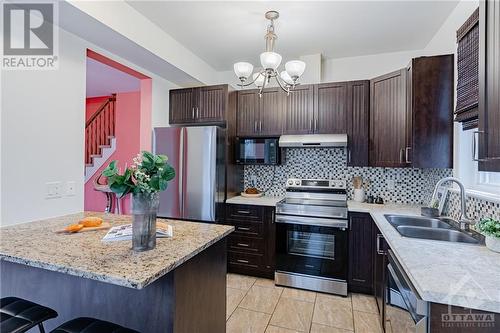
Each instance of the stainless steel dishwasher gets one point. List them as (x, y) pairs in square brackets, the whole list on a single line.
[(405, 311)]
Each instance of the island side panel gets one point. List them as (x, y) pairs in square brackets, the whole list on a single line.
[(200, 292), (147, 310)]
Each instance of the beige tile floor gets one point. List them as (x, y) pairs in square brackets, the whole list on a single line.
[(256, 305)]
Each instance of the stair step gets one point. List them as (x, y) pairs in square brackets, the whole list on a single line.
[(104, 146), (96, 156), (89, 165)]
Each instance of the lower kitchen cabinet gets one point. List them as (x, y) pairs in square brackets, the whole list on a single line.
[(251, 247), (367, 259), (361, 253)]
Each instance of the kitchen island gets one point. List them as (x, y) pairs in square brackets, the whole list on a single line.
[(180, 286)]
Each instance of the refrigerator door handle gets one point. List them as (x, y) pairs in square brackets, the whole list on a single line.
[(181, 171)]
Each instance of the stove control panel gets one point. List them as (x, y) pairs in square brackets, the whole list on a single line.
[(316, 183)]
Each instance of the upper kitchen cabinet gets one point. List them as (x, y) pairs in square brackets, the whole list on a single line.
[(181, 106), (358, 123), (248, 109), (202, 105), (411, 115), (330, 109), (270, 120), (298, 111), (429, 120), (388, 119), (260, 116), (489, 87)]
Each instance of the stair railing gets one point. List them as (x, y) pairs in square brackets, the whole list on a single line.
[(100, 128)]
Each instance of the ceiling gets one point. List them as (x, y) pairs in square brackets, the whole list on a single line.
[(103, 80), (222, 33)]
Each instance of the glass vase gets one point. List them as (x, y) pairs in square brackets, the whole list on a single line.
[(144, 210)]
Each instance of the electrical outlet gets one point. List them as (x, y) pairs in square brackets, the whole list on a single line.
[(253, 180), (70, 188), (53, 190), (391, 184)]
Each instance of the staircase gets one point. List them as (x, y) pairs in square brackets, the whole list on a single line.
[(100, 141)]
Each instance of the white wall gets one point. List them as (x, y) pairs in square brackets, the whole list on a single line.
[(445, 41), (42, 114), (365, 67), (42, 132)]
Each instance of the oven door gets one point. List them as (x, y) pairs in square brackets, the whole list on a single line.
[(313, 250), (405, 311)]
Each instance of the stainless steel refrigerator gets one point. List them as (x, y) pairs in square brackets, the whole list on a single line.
[(198, 157)]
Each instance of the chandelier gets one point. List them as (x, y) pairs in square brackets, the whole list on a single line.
[(270, 62)]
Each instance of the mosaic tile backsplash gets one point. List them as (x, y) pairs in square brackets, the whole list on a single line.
[(476, 208), (411, 186)]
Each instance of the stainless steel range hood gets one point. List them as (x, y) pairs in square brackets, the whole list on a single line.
[(313, 140)]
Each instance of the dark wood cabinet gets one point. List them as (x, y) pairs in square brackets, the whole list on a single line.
[(298, 111), (330, 109), (388, 119), (248, 109), (201, 105), (260, 116), (379, 271), (489, 87), (411, 115), (270, 120), (429, 113), (181, 106), (251, 247), (358, 123), (361, 253)]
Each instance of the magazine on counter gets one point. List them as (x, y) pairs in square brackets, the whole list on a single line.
[(124, 232)]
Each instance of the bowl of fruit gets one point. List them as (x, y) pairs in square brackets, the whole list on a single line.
[(252, 192)]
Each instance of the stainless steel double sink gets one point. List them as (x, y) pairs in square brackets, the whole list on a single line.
[(441, 229)]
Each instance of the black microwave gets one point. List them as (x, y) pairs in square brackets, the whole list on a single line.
[(257, 151)]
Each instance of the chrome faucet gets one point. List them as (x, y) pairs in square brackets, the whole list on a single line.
[(464, 220)]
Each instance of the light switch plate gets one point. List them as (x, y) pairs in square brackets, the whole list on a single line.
[(53, 190), (391, 184)]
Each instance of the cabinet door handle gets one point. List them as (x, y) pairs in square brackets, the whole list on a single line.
[(243, 212), (310, 125), (348, 155), (197, 112), (315, 124), (242, 261), (255, 126), (243, 228), (407, 154), (192, 113), (243, 244), (474, 145), (379, 251), (401, 155), (260, 126)]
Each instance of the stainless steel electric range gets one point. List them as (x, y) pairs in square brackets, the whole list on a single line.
[(311, 236)]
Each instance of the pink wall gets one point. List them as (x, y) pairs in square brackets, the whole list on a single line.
[(128, 145)]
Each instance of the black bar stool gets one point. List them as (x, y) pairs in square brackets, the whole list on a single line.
[(91, 325), (18, 315)]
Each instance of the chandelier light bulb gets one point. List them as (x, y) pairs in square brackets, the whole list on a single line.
[(243, 70), (270, 60), (288, 80), (295, 68)]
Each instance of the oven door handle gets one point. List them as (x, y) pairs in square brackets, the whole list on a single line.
[(311, 221)]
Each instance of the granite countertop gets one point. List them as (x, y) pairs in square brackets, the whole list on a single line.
[(442, 272), (262, 201), (85, 255)]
